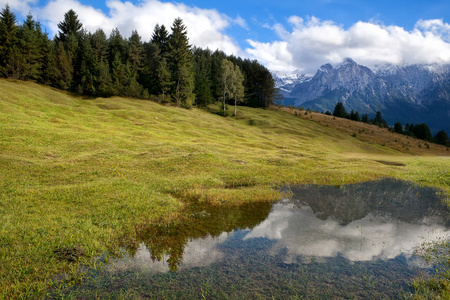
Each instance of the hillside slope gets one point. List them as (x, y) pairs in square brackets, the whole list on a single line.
[(84, 174)]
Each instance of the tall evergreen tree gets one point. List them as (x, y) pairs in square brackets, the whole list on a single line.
[(135, 51), (70, 26), (102, 77), (87, 69), (32, 45), (339, 110), (398, 127), (259, 84), (365, 118), (181, 65), (442, 138), (160, 37), (11, 60), (63, 70), (70, 35), (116, 46), (203, 77), (421, 131), (163, 79)]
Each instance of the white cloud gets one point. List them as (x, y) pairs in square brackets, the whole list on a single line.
[(309, 44), (20, 6), (205, 26), (297, 231)]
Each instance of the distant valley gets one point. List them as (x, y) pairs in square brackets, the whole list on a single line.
[(408, 94)]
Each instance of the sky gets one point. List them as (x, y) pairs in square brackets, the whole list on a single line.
[(283, 35)]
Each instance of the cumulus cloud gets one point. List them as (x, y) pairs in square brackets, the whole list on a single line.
[(299, 232), (206, 27), (308, 44), (20, 6)]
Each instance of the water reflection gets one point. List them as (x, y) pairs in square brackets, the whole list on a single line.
[(361, 222), (321, 242), (298, 230), (191, 241)]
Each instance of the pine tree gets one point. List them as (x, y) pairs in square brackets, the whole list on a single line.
[(398, 127), (11, 59), (203, 77), (135, 51), (259, 84), (163, 80), (339, 110), (71, 26), (116, 46), (63, 68), (102, 77), (442, 138), (365, 118), (135, 58), (88, 65), (160, 37), (181, 65), (29, 45), (422, 131), (216, 74)]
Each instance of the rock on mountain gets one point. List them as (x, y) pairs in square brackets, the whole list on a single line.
[(286, 81), (408, 94)]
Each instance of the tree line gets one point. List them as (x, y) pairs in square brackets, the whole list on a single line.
[(420, 131), (166, 68)]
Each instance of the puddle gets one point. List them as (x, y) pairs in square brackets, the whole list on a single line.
[(353, 241)]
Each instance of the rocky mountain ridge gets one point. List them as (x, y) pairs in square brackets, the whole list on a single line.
[(409, 94)]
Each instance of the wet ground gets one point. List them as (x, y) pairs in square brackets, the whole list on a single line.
[(328, 242)]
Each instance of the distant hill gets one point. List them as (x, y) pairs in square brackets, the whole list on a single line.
[(408, 94)]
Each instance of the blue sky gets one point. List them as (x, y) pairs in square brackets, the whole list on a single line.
[(284, 35)]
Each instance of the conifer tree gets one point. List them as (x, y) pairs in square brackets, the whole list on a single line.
[(70, 26), (163, 80), (87, 69), (11, 60), (160, 37), (102, 77), (181, 65), (216, 73), (203, 77), (135, 51), (398, 127), (63, 68), (32, 45), (116, 46), (442, 138), (70, 35), (339, 110)]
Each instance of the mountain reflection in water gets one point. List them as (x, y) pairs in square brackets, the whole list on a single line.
[(352, 241), (361, 222)]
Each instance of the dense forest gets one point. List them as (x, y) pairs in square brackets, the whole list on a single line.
[(420, 131), (166, 69)]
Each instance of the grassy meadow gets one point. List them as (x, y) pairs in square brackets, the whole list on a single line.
[(83, 173)]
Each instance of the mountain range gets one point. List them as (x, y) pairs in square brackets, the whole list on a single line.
[(407, 94)]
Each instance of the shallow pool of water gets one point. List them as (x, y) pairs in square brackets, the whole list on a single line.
[(353, 241)]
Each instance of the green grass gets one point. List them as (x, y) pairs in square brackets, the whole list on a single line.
[(78, 172)]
